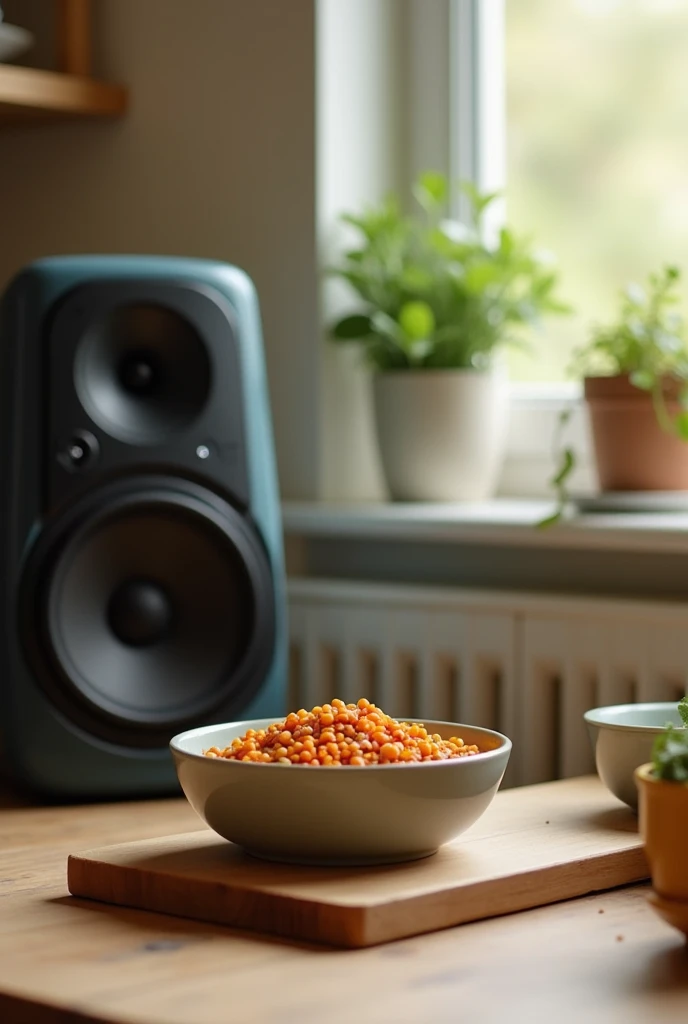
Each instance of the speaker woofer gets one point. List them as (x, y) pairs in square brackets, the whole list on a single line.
[(139, 613), (156, 607), (142, 372)]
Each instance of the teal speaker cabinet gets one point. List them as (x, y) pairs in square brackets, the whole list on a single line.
[(141, 565)]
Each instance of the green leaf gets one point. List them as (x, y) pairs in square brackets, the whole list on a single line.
[(479, 201), (360, 223), (670, 755), (387, 326), (359, 281), (383, 354), (681, 423), (431, 190), (418, 351), (417, 320), (481, 275), (683, 710), (559, 308), (351, 328), (643, 379), (568, 464), (550, 520), (506, 242), (635, 294), (416, 279)]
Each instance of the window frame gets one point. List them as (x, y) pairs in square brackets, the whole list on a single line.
[(477, 90)]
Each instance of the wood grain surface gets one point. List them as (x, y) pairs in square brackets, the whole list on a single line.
[(535, 845), (604, 959), (33, 93)]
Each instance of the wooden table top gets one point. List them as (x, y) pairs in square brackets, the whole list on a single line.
[(603, 959)]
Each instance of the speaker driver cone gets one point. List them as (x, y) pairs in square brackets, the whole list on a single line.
[(139, 613), (142, 372), (157, 607)]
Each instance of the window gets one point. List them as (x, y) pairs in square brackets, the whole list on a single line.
[(576, 107), (596, 166)]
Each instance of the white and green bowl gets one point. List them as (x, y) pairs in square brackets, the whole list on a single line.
[(623, 736), (372, 814)]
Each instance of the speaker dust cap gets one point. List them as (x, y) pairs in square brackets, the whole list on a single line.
[(142, 372), (157, 607)]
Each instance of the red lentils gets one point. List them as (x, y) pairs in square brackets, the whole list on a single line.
[(339, 734)]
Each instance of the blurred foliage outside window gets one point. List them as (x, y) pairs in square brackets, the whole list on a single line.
[(597, 152)]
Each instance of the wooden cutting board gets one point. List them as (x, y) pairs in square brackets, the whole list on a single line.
[(534, 845)]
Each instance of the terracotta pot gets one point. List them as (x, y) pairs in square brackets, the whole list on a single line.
[(632, 451), (663, 820)]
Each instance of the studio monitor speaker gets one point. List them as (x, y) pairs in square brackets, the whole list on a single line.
[(141, 570)]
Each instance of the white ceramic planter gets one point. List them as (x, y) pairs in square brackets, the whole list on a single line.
[(441, 433)]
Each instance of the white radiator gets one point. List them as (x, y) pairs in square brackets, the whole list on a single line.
[(527, 665)]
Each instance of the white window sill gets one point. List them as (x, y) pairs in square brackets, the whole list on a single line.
[(503, 522)]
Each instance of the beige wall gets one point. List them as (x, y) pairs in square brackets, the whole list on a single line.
[(216, 158)]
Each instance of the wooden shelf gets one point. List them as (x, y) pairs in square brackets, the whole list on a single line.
[(32, 94), (27, 94)]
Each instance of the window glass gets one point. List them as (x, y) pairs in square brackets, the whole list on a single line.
[(597, 151)]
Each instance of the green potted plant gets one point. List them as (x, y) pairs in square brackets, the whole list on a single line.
[(437, 303), (635, 381), (663, 818)]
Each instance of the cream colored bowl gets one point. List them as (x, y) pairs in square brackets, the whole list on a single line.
[(350, 815), (13, 41), (622, 737)]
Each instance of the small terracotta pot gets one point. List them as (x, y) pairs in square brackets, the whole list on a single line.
[(632, 451), (663, 820)]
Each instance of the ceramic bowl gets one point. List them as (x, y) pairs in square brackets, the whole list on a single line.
[(13, 41), (622, 737), (371, 814)]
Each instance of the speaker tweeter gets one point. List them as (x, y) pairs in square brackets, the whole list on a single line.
[(142, 373)]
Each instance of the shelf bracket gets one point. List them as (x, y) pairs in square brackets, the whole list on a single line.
[(74, 37)]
